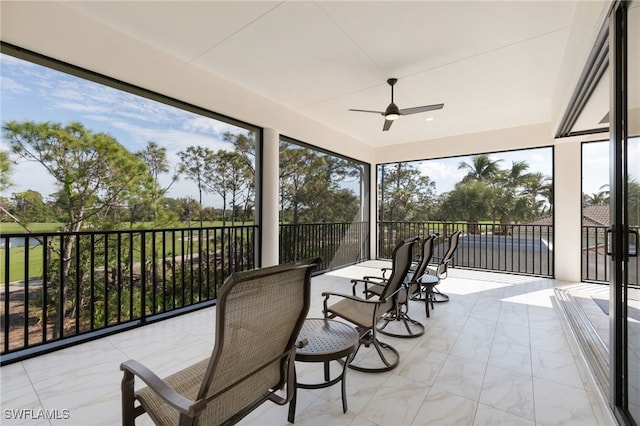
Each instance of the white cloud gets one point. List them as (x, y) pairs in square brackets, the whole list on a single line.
[(206, 124), (30, 175), (444, 173), (11, 86)]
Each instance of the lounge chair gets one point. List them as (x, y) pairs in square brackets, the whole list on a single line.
[(259, 314)]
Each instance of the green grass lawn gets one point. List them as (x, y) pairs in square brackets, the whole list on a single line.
[(17, 258), (14, 228), (18, 255)]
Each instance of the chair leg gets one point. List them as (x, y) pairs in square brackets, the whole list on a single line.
[(368, 338), (429, 299), (426, 305), (291, 418), (413, 328), (128, 398), (439, 297)]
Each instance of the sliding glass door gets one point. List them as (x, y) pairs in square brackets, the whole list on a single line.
[(632, 204), (625, 211)]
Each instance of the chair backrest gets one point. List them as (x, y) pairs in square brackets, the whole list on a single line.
[(401, 263), (259, 314), (448, 256), (425, 258)]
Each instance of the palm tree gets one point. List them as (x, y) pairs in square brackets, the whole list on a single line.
[(515, 176), (595, 199), (540, 189), (481, 168), (512, 183), (472, 201)]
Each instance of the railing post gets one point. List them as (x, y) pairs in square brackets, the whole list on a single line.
[(143, 278)]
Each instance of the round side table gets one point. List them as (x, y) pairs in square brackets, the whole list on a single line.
[(328, 340)]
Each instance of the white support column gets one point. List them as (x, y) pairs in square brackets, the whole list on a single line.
[(270, 195), (373, 215), (568, 211)]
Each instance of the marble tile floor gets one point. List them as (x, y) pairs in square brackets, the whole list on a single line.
[(496, 354), (585, 295)]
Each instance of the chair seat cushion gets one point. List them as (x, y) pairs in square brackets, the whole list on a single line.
[(360, 314), (186, 382)]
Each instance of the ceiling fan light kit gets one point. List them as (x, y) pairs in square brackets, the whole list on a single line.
[(392, 112)]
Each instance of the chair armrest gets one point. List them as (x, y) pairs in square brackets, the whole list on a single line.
[(381, 280), (384, 272), (327, 294), (365, 281), (438, 259), (170, 396)]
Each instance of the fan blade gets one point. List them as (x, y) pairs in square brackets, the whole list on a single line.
[(367, 110), (425, 108), (387, 125)]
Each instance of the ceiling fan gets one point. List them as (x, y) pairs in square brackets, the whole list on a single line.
[(393, 112)]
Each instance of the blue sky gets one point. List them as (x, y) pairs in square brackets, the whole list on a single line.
[(32, 92), (446, 174), (36, 93)]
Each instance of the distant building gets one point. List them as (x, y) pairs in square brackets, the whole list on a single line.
[(595, 215), (591, 216)]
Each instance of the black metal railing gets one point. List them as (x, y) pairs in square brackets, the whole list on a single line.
[(513, 248), (595, 262), (338, 244), (595, 265), (60, 288)]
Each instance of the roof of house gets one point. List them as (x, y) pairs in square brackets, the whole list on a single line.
[(597, 215)]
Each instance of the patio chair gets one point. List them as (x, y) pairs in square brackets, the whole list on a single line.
[(365, 313), (411, 289), (442, 270), (417, 288), (258, 317)]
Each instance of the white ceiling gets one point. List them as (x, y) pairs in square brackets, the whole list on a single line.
[(493, 64)]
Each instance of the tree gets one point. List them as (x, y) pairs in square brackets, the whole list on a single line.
[(187, 209), (595, 199), (540, 188), (194, 162), (92, 172), (155, 157), (5, 171), (314, 186), (470, 201), (227, 177), (512, 198), (29, 206), (481, 168), (299, 169), (407, 194), (244, 145)]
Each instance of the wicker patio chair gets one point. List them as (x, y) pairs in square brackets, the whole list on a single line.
[(365, 313), (258, 317)]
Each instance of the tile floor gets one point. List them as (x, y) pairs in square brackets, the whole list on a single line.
[(495, 354)]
